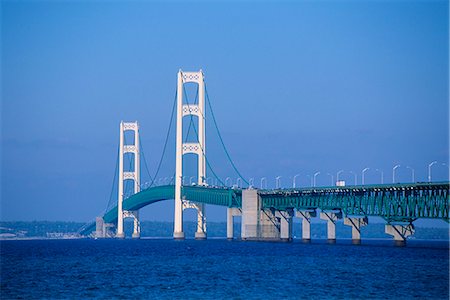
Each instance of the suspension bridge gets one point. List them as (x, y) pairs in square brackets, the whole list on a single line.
[(266, 214)]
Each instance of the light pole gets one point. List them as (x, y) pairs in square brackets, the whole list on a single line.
[(263, 179), (277, 182), (250, 182), (338, 173), (293, 180), (226, 181), (382, 175), (412, 173), (332, 179), (393, 172), (356, 178), (315, 175), (190, 180), (362, 173), (239, 182), (429, 170)]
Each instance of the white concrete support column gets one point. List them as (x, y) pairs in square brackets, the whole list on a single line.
[(285, 225), (356, 224), (200, 234), (257, 223), (331, 218), (178, 218), (250, 214), (230, 224), (120, 233), (306, 216), (400, 232)]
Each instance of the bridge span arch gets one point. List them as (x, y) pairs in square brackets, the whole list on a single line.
[(221, 196)]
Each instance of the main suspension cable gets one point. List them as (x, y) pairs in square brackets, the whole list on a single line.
[(143, 158), (167, 139), (221, 139), (113, 182)]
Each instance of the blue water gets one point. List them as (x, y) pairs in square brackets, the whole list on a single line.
[(158, 268)]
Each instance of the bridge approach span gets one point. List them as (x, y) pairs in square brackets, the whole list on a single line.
[(393, 202)]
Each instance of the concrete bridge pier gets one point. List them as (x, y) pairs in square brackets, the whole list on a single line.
[(102, 229), (231, 212), (268, 225), (136, 225), (230, 224), (306, 216), (257, 223), (331, 218), (400, 232), (200, 234), (285, 218), (99, 228), (178, 233), (250, 214), (356, 224)]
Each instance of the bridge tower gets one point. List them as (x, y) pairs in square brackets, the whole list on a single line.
[(128, 175), (197, 148)]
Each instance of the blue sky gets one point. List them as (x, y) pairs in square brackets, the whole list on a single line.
[(296, 87)]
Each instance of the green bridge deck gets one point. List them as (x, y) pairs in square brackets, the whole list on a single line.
[(393, 202)]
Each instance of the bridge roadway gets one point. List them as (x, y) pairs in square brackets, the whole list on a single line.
[(403, 202)]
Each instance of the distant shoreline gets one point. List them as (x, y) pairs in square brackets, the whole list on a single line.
[(47, 230), (320, 240)]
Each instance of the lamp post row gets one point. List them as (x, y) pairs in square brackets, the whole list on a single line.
[(313, 178)]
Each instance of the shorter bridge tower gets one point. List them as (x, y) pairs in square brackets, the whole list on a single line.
[(183, 148), (133, 175)]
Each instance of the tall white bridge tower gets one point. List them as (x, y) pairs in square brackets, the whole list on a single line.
[(197, 148), (133, 175)]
